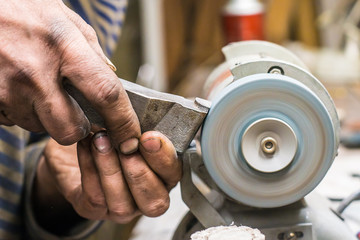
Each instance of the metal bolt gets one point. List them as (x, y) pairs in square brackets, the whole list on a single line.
[(290, 236), (268, 145), (276, 70)]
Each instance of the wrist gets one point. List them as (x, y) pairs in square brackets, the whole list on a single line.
[(52, 211)]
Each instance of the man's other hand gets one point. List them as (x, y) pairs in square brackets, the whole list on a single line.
[(103, 186)]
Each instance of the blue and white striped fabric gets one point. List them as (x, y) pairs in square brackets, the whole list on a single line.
[(12, 150), (105, 16)]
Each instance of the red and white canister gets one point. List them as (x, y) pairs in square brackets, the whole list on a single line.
[(243, 20)]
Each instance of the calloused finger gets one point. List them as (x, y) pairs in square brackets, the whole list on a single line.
[(160, 154), (91, 204), (149, 192), (120, 204)]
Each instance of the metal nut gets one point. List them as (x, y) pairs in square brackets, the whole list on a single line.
[(268, 145)]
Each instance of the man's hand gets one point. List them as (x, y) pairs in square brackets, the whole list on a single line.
[(44, 43), (100, 186)]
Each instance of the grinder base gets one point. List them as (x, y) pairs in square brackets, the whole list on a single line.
[(310, 219)]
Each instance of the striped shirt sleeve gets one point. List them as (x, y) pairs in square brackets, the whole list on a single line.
[(12, 146), (105, 16), (18, 164)]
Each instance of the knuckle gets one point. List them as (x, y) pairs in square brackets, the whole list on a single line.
[(125, 127), (85, 28), (95, 202), (110, 172), (108, 94), (122, 212), (138, 175), (26, 77), (127, 122), (56, 33), (91, 34), (157, 207)]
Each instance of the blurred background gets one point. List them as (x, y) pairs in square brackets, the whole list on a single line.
[(173, 45)]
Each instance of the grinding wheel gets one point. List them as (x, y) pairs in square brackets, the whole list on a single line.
[(268, 140)]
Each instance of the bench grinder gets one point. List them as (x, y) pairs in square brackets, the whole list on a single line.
[(270, 136)]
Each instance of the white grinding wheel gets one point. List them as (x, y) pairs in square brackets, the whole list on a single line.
[(248, 111)]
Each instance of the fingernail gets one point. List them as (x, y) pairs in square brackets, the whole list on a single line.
[(110, 64), (102, 142), (129, 146), (151, 145)]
